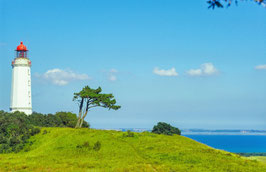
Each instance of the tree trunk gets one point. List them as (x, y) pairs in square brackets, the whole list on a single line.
[(80, 113), (85, 114), (82, 119)]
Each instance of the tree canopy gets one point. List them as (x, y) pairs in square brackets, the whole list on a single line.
[(15, 130), (164, 128), (89, 98), (222, 3), (59, 119)]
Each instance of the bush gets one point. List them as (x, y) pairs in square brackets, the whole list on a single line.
[(164, 128), (85, 145), (128, 134), (44, 132), (97, 146)]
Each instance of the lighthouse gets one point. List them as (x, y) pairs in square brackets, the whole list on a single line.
[(21, 81)]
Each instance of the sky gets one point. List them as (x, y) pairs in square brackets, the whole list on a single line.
[(171, 61)]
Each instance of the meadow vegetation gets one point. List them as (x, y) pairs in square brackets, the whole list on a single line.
[(259, 158), (68, 149)]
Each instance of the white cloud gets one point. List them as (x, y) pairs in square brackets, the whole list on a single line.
[(112, 75), (260, 67), (163, 72), (205, 69), (62, 77), (194, 72)]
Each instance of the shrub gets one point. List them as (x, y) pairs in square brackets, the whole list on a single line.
[(164, 128), (128, 134), (86, 145), (35, 130), (97, 146), (44, 132)]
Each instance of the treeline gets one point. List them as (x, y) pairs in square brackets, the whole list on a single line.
[(16, 128), (252, 154), (59, 119)]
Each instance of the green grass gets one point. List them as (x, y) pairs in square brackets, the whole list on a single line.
[(61, 150), (259, 158)]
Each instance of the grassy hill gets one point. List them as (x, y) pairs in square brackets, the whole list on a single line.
[(66, 149), (259, 158)]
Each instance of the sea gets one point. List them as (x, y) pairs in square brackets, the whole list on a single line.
[(234, 143)]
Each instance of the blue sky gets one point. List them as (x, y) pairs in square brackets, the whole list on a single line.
[(172, 61)]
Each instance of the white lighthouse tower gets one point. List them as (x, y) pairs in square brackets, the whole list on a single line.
[(21, 82)]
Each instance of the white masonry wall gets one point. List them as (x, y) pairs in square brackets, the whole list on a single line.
[(21, 86)]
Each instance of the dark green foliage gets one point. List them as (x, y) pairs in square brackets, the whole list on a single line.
[(15, 130), (164, 128), (44, 132), (37, 119), (34, 131), (89, 98), (60, 119), (86, 145), (67, 118), (252, 154), (52, 121), (221, 3), (97, 146), (128, 134)]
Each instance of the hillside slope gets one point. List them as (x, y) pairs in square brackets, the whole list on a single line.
[(66, 149)]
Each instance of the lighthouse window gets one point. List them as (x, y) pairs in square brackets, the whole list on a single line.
[(28, 72), (29, 82)]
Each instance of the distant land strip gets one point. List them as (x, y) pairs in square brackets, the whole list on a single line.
[(202, 131), (252, 154)]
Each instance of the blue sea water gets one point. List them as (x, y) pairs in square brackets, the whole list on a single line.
[(233, 143)]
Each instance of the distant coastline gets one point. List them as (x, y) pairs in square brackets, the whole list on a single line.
[(202, 131), (223, 132)]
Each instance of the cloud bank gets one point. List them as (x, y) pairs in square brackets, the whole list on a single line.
[(62, 77), (206, 69), (163, 72)]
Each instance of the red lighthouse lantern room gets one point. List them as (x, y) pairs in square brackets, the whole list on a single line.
[(21, 51)]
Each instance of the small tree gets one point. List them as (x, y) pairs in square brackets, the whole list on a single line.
[(164, 128), (89, 98)]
